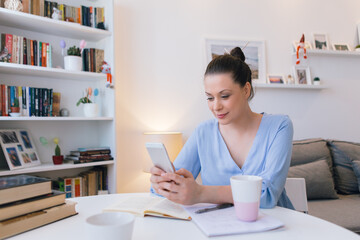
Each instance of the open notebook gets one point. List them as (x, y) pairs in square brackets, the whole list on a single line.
[(149, 206), (224, 221)]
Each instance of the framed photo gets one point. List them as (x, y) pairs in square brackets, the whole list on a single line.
[(276, 79), (17, 147), (341, 47), (254, 54), (321, 41), (307, 45), (302, 75)]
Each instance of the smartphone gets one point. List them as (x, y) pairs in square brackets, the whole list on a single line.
[(160, 157)]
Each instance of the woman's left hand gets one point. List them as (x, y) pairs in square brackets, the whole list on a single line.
[(181, 187)]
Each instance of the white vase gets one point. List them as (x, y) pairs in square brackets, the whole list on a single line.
[(73, 63), (91, 110)]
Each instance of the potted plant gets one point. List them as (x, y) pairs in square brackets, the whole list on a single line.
[(57, 158), (90, 108), (15, 109), (357, 48), (73, 61)]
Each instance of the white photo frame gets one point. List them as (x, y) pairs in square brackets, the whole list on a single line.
[(321, 41), (307, 45), (254, 54), (18, 148), (302, 75), (276, 79), (341, 47)]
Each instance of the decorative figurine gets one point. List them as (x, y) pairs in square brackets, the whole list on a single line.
[(57, 14), (301, 45), (105, 68)]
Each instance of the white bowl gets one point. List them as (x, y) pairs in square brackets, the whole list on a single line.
[(13, 114), (110, 225)]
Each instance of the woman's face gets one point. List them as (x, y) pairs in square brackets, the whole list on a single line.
[(227, 100)]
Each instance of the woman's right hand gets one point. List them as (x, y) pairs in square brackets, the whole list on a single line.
[(156, 178)]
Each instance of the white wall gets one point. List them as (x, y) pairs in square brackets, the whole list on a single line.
[(160, 60)]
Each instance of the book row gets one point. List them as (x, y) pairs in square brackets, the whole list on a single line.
[(29, 101), (88, 183), (84, 15), (22, 50), (92, 59)]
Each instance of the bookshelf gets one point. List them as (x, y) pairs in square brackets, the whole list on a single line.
[(76, 130), (319, 52)]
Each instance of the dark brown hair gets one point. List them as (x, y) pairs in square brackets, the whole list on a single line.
[(233, 63)]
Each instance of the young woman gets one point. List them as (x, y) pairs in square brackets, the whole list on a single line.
[(237, 141)]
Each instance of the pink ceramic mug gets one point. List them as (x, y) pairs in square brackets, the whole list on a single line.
[(246, 191)]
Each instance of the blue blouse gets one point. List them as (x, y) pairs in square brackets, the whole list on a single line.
[(205, 152)]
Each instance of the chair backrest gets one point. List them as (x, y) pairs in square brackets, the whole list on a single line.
[(296, 191)]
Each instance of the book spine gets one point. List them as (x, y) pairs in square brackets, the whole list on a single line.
[(28, 102), (21, 50), (68, 187), (8, 100), (51, 102), (36, 97), (8, 45), (1, 100), (45, 102), (20, 98), (32, 52), (14, 44), (24, 102), (41, 102), (33, 112), (40, 56), (25, 51)]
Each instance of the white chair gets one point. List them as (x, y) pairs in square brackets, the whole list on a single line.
[(296, 191)]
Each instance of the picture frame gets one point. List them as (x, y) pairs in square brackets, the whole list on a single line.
[(341, 47), (18, 148), (321, 41), (276, 79), (302, 75), (254, 52), (307, 45)]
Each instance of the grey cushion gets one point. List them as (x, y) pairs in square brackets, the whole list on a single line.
[(343, 211), (343, 154), (356, 167), (318, 178), (310, 150)]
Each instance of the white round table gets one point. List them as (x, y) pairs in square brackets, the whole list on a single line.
[(297, 225)]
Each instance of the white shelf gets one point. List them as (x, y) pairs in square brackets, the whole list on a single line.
[(330, 52), (289, 86), (53, 73), (51, 167), (46, 25), (56, 119)]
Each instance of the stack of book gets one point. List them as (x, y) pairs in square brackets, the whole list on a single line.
[(28, 202), (85, 155), (92, 59)]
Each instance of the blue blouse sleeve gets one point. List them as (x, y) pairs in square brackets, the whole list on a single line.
[(277, 165), (188, 158)]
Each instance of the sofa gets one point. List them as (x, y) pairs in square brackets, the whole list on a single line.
[(331, 170)]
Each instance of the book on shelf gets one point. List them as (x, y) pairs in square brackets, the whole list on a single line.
[(92, 59), (32, 101), (149, 206), (21, 50), (15, 188), (90, 151), (98, 157), (36, 219), (29, 205), (87, 183)]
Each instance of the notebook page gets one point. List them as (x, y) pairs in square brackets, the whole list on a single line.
[(225, 222), (167, 207), (133, 204)]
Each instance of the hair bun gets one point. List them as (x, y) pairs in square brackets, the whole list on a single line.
[(238, 53)]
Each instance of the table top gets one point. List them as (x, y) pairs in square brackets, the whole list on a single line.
[(297, 225)]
